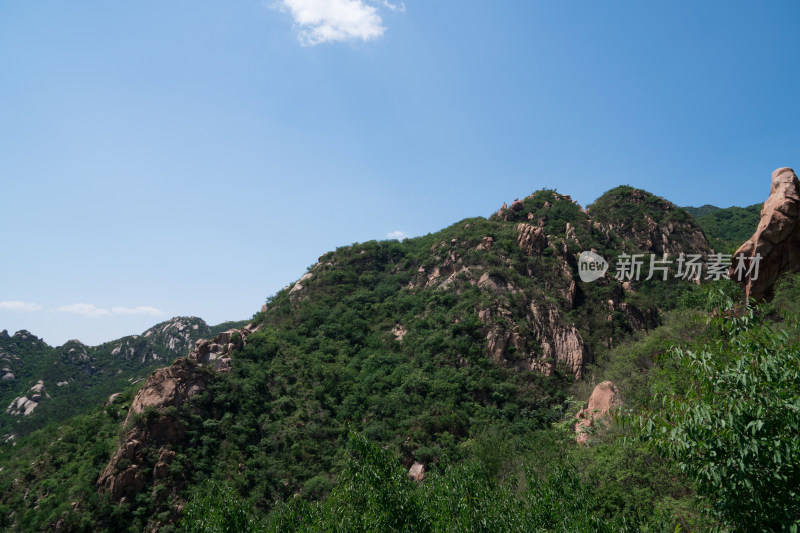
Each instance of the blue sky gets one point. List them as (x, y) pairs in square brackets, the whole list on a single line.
[(193, 157)]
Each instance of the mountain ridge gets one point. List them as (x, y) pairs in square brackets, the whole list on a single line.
[(488, 312), (423, 345), (93, 372)]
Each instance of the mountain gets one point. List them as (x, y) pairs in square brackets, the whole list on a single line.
[(428, 384), (422, 345), (42, 385)]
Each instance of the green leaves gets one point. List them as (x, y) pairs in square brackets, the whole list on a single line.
[(374, 494), (735, 428)]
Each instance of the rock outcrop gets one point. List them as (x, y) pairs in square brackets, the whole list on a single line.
[(417, 472), (24, 405), (775, 246), (604, 398), (298, 286), (531, 238), (554, 341), (133, 466), (657, 225)]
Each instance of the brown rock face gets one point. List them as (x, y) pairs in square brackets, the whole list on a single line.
[(604, 398), (153, 435), (170, 386), (531, 238), (776, 240), (553, 341)]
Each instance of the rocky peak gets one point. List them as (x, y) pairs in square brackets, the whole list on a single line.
[(172, 386), (650, 223), (535, 207), (177, 324), (25, 335), (776, 240), (75, 350)]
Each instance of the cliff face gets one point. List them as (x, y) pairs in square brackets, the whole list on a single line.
[(776, 242), (552, 230), (146, 451)]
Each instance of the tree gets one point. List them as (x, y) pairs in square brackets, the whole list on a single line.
[(735, 426)]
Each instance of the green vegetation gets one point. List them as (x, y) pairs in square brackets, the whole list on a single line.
[(703, 210), (733, 427), (727, 229), (88, 375), (626, 206), (374, 494), (49, 476), (381, 359)]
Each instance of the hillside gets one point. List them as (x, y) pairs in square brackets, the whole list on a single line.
[(41, 385), (726, 228), (423, 345), (703, 210)]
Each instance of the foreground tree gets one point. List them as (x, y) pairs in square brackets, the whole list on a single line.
[(732, 422)]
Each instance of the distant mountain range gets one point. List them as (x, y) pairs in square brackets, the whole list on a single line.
[(40, 384)]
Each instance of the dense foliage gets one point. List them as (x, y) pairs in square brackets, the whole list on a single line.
[(734, 426), (378, 358), (77, 377), (727, 229), (703, 210), (627, 206), (374, 494)]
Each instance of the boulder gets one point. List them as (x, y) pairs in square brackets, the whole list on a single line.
[(604, 398), (775, 246), (417, 472), (25, 405)]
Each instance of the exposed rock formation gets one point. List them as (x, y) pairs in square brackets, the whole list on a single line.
[(170, 386), (124, 476), (776, 240), (558, 342), (24, 405), (399, 332), (604, 398), (298, 286), (417, 472), (531, 238)]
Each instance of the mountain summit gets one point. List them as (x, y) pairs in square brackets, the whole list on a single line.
[(417, 343)]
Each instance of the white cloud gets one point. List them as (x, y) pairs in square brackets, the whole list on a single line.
[(401, 7), (93, 311), (20, 307), (84, 309), (323, 21), (138, 310), (399, 235)]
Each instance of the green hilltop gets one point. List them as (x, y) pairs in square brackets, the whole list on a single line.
[(461, 353)]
